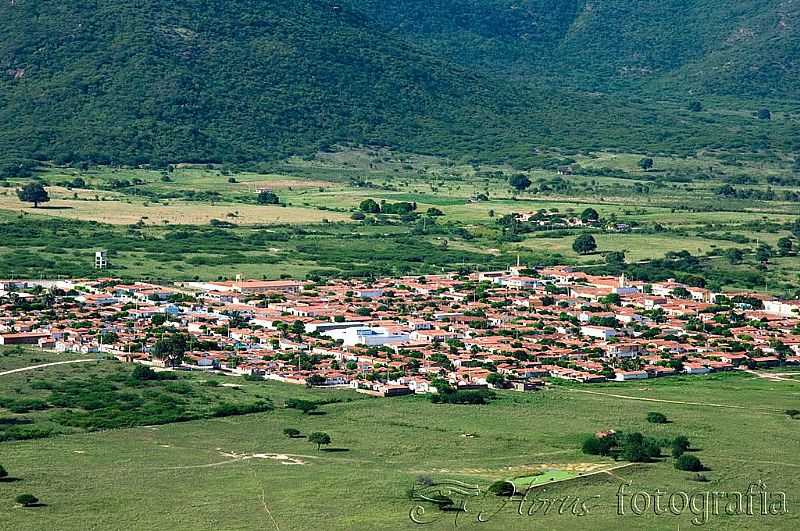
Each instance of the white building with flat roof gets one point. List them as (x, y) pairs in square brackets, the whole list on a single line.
[(364, 335)]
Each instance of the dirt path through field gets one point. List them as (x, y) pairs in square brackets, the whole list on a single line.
[(662, 401), (33, 367)]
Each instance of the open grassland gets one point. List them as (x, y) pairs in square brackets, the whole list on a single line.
[(241, 472), (116, 211), (203, 221)]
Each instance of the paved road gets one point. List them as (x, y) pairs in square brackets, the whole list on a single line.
[(23, 369)]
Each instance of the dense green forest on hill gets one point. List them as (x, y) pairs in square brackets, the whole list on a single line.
[(743, 48), (240, 80)]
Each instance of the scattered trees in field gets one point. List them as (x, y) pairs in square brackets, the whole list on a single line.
[(319, 438), (584, 244), (633, 447), (33, 193)]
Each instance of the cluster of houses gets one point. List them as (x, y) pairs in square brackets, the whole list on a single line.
[(513, 329)]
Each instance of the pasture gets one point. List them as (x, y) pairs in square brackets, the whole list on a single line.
[(242, 472)]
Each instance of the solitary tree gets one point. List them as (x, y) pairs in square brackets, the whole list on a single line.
[(3, 472), (764, 114), (584, 244), (695, 106), (590, 215), (27, 500), (265, 197), (33, 193), (370, 206), (519, 182), (646, 163), (170, 349), (319, 438), (785, 246)]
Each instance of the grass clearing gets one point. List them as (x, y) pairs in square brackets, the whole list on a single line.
[(232, 472)]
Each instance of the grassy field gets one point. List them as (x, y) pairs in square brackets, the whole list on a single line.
[(140, 215), (243, 473)]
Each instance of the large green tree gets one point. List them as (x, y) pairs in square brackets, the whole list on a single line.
[(319, 438), (171, 349), (584, 244), (33, 193)]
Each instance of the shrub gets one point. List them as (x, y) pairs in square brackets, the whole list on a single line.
[(477, 397), (306, 406), (3, 472), (27, 500), (598, 445), (688, 463), (656, 418), (679, 446), (291, 432)]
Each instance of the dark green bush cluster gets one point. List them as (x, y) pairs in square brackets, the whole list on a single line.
[(472, 397)]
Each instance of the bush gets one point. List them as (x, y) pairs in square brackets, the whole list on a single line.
[(229, 410), (477, 397), (679, 446), (306, 406), (599, 445), (291, 432), (3, 472), (688, 463), (27, 500), (656, 418)]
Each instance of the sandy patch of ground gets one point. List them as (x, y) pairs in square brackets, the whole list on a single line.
[(284, 459)]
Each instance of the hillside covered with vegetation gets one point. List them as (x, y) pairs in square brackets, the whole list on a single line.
[(744, 48), (241, 81)]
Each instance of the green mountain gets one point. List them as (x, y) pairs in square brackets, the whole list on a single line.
[(224, 79), (158, 81), (744, 48)]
